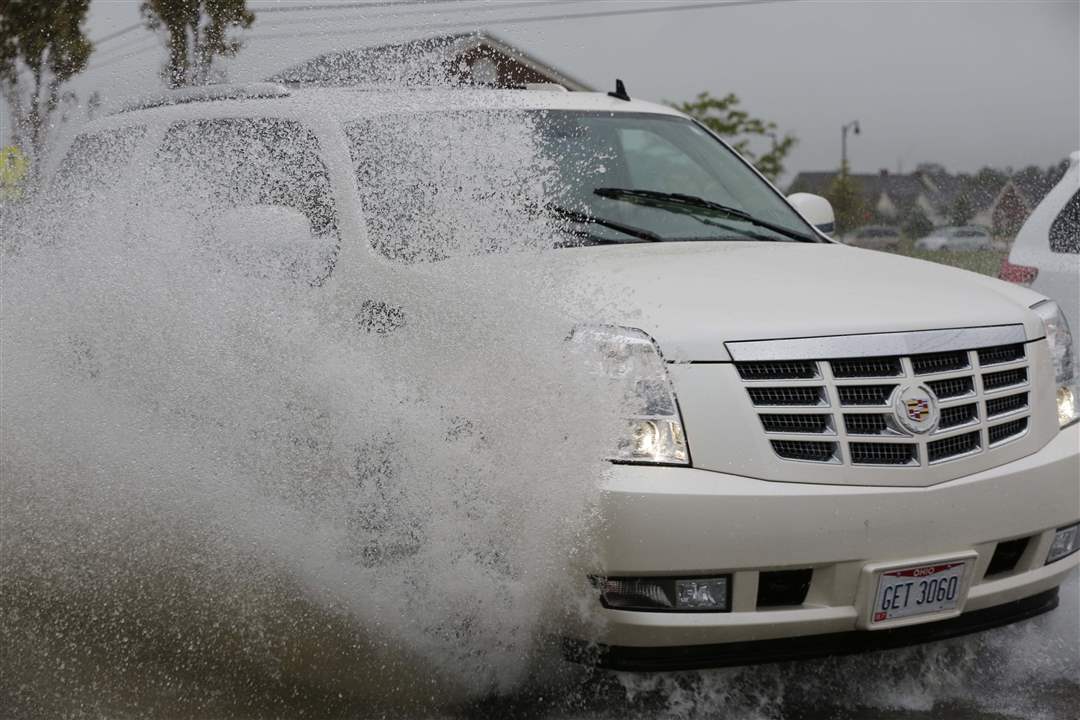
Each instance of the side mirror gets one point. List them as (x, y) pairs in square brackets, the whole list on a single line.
[(816, 210), (272, 241)]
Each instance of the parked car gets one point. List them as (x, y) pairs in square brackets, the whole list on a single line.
[(962, 238), (1046, 253), (874, 237), (836, 449)]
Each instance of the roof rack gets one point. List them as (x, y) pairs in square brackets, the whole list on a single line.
[(207, 93)]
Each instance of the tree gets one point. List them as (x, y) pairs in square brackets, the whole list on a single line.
[(916, 224), (196, 32), (724, 117), (961, 211), (849, 205), (42, 45)]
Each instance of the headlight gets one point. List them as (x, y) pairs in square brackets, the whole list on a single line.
[(631, 361), (1060, 342)]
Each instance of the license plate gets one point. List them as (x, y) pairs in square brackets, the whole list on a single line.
[(919, 590)]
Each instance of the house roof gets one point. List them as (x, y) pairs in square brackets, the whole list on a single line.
[(902, 190), (425, 61)]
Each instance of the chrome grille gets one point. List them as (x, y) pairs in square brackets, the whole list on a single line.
[(952, 388), (806, 450), (869, 453), (847, 403), (931, 363), (865, 394), (788, 396), (1001, 354), (1007, 430), (1005, 379), (815, 424), (958, 415), (1007, 404), (951, 447), (866, 367), (866, 424), (795, 370)]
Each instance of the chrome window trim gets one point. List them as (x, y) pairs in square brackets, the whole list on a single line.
[(876, 344)]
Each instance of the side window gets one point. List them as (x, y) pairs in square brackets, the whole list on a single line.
[(95, 162), (223, 164), (1065, 230)]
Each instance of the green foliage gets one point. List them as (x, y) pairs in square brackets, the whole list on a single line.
[(916, 224), (196, 32), (847, 200), (961, 212), (42, 45), (724, 117)]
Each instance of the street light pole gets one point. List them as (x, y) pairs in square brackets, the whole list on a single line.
[(853, 125)]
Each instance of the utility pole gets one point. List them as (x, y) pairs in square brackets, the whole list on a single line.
[(853, 125)]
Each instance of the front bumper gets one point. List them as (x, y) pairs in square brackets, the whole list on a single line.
[(682, 521)]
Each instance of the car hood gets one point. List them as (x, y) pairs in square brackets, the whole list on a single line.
[(694, 297)]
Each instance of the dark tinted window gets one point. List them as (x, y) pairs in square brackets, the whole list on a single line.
[(217, 164), (1065, 230), (95, 162)]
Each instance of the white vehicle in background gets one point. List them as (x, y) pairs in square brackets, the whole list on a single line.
[(961, 238), (1046, 253), (828, 449)]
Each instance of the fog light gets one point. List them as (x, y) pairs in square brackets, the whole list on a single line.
[(660, 594), (635, 594), (705, 594), (1066, 542)]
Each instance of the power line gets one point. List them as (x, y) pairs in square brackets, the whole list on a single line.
[(116, 34), (518, 20), (521, 20)]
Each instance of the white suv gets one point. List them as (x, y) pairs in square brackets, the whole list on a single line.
[(839, 449)]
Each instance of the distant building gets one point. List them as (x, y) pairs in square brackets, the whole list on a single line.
[(998, 202), (470, 58)]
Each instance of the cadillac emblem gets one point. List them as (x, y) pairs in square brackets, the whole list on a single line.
[(915, 408)]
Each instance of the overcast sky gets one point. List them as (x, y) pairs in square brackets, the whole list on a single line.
[(964, 84)]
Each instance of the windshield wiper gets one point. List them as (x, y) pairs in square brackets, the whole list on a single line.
[(692, 202), (584, 218)]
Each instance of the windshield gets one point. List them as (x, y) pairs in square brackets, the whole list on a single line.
[(603, 178)]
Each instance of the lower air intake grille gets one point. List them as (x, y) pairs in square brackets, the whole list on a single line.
[(807, 450), (1004, 431), (1006, 555), (783, 588), (883, 453), (950, 447)]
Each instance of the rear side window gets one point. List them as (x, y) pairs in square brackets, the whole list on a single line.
[(1065, 230), (95, 162), (224, 163)]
